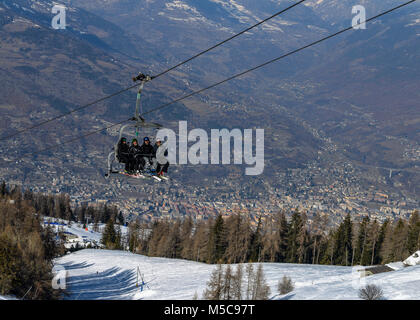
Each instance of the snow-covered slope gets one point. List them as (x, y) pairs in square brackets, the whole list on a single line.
[(413, 259), (7, 298), (104, 274), (83, 236), (76, 229)]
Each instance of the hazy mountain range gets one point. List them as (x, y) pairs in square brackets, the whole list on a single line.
[(353, 99)]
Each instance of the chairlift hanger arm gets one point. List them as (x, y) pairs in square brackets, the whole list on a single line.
[(143, 78), (141, 121)]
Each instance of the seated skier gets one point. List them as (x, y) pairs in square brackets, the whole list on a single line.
[(160, 162), (135, 156), (123, 153), (148, 152)]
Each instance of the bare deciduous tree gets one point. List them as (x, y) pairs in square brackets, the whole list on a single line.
[(261, 290), (371, 292)]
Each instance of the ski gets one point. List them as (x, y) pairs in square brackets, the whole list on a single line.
[(143, 175), (136, 175), (153, 175), (156, 178)]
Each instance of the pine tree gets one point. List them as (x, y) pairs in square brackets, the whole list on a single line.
[(68, 213), (295, 237), (216, 244), (400, 239), (133, 236), (118, 238), (285, 285), (361, 241), (343, 254), (121, 218), (413, 237), (281, 238), (339, 255), (106, 214), (255, 244), (109, 235), (329, 251), (378, 258)]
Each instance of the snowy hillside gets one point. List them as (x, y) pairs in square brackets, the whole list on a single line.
[(413, 259), (77, 234), (104, 274)]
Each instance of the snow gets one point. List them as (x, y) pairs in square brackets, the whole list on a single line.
[(105, 274), (413, 259), (238, 11), (185, 13), (81, 236), (7, 298), (396, 265)]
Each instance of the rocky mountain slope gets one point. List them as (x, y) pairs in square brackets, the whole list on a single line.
[(350, 100)]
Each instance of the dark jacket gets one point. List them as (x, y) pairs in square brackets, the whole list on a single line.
[(147, 150), (123, 150), (134, 150)]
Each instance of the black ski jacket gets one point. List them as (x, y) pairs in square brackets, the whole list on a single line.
[(147, 150), (123, 150), (135, 150)]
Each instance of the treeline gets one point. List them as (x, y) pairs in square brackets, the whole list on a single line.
[(26, 249), (58, 206), (279, 239)]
